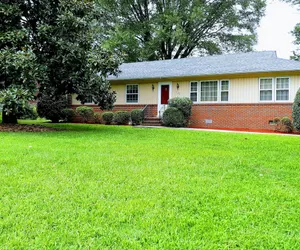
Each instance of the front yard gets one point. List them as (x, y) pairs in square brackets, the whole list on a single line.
[(98, 187)]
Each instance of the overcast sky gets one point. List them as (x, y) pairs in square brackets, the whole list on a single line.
[(275, 28)]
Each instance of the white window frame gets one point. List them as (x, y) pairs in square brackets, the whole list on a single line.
[(90, 103), (197, 91), (138, 93), (274, 89), (219, 82), (289, 89), (220, 95)]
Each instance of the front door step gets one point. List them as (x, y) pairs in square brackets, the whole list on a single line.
[(152, 121)]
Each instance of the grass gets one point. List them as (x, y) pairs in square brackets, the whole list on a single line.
[(109, 187)]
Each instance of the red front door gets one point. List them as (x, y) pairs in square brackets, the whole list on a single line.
[(165, 94)]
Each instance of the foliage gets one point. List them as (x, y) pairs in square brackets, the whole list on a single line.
[(14, 100), (67, 114), (108, 117), (296, 111), (284, 125), (166, 29), (173, 117), (51, 107), (85, 112), (28, 113), (181, 187), (121, 117), (97, 117), (57, 44), (137, 116), (184, 104)]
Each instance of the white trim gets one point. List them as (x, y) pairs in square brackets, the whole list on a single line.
[(159, 94), (228, 91), (265, 78), (274, 89), (138, 101)]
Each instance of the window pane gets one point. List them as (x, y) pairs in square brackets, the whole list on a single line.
[(266, 95), (193, 86), (209, 91), (89, 99), (282, 95), (132, 98), (266, 83), (282, 83), (194, 97), (224, 96), (224, 85)]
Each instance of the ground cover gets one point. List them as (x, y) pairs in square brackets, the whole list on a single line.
[(98, 187)]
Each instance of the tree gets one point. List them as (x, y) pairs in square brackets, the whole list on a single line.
[(171, 29), (296, 111), (60, 37)]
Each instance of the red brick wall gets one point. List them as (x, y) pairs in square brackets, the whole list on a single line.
[(239, 116), (151, 110)]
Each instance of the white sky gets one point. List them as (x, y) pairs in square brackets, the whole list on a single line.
[(275, 28)]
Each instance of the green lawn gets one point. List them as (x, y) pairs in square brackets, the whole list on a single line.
[(109, 187)]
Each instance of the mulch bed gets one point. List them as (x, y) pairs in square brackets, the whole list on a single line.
[(25, 128)]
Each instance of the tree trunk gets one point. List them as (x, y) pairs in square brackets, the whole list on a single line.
[(9, 119)]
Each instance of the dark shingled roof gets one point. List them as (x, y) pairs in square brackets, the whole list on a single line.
[(252, 62)]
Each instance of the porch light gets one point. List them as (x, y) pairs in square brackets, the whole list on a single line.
[(153, 87), (177, 86)]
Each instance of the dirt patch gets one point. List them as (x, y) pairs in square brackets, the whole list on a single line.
[(25, 128)]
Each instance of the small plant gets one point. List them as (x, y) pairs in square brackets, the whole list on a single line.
[(50, 107), (137, 116), (173, 117), (287, 125), (85, 112), (296, 111), (67, 115), (108, 117), (184, 104), (121, 117), (97, 117)]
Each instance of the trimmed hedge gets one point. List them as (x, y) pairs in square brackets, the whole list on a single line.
[(184, 104), (85, 112), (137, 116), (97, 117), (67, 115), (173, 117), (121, 117), (108, 117), (296, 111)]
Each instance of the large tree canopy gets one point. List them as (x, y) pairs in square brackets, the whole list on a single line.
[(170, 29), (55, 44)]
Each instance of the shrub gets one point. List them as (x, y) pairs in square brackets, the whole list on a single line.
[(184, 104), (28, 113), (296, 111), (286, 125), (173, 117), (97, 117), (108, 117), (67, 115), (137, 116), (85, 112), (50, 107), (121, 117)]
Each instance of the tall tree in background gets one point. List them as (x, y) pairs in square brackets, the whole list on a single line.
[(58, 44), (170, 29)]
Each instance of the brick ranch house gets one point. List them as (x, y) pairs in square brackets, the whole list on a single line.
[(234, 91)]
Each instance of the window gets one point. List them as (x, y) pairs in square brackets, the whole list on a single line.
[(224, 89), (265, 88), (274, 89), (194, 91), (209, 91), (282, 89), (89, 99), (132, 93)]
